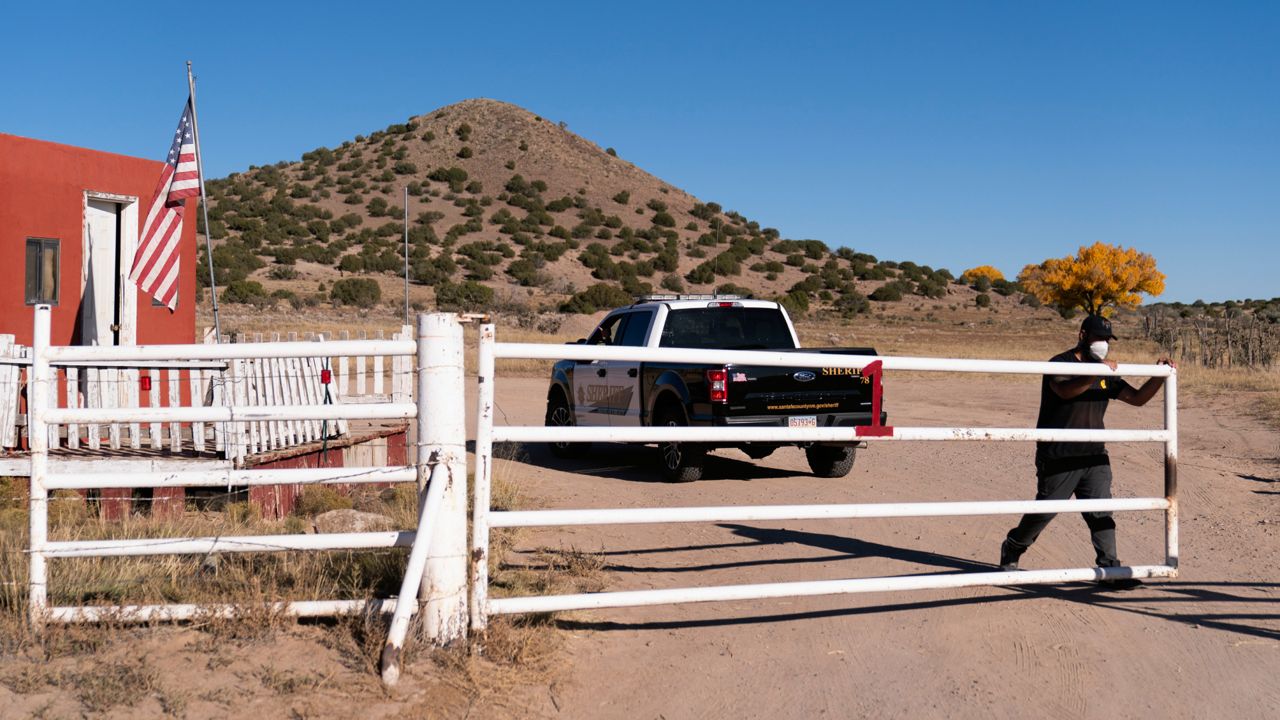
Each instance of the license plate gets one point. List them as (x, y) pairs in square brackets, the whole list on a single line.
[(803, 421)]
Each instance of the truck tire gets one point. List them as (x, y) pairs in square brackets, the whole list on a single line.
[(559, 414), (830, 462), (679, 462)]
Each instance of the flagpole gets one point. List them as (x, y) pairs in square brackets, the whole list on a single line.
[(406, 255), (204, 206)]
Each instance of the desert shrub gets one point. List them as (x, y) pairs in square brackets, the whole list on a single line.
[(889, 292), (351, 264), (449, 175), (463, 132), (466, 296), (465, 152), (982, 300), (850, 303), (656, 205), (700, 275), (434, 271), (245, 291), (404, 167), (1004, 287), (611, 151), (361, 292), (664, 219), (527, 272), (796, 303), (672, 282), (282, 272), (982, 283), (732, 289), (622, 198), (931, 288), (1030, 301), (601, 296)]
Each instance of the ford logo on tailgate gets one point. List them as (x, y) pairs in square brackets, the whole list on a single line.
[(804, 376)]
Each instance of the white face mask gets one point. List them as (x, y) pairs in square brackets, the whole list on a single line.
[(1098, 349)]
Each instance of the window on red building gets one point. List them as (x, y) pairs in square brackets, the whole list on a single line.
[(42, 271)]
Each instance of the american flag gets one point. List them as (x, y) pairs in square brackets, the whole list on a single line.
[(155, 266)]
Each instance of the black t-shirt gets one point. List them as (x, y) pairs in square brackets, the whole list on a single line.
[(1084, 411)]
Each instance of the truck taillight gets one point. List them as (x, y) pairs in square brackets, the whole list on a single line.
[(718, 385)]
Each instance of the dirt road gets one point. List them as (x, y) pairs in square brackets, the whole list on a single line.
[(1204, 645)]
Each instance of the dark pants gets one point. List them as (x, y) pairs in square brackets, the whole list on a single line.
[(1085, 483)]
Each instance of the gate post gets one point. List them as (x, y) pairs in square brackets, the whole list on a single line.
[(1171, 470), (38, 440), (442, 439)]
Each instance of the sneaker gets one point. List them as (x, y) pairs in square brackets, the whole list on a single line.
[(1009, 556), (1120, 583)]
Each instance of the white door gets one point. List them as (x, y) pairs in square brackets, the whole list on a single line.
[(100, 302)]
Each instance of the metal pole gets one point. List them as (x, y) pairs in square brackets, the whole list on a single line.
[(413, 574), (1171, 470), (38, 438), (406, 255), (483, 479), (204, 207), (442, 438)]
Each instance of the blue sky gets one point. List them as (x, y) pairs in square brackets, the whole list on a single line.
[(948, 133)]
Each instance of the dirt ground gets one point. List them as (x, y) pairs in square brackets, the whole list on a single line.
[(1206, 644)]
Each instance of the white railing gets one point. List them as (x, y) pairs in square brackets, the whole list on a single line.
[(483, 518), (439, 469), (356, 378), (348, 375)]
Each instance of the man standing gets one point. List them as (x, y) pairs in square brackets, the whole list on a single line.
[(1082, 469)]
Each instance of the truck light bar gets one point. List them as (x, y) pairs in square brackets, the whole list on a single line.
[(693, 296)]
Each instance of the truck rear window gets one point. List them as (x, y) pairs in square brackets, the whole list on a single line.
[(732, 328)]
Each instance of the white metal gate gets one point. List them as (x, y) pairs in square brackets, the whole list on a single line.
[(438, 545), (484, 518)]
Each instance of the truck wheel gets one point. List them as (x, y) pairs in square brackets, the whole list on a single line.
[(559, 414), (830, 462), (679, 462)]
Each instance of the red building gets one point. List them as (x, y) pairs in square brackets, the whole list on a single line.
[(69, 225)]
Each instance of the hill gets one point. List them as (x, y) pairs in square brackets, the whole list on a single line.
[(507, 208)]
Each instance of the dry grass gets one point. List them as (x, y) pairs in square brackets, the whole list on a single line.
[(109, 685), (511, 654)]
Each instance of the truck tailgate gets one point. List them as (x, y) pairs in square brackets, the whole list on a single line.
[(758, 390)]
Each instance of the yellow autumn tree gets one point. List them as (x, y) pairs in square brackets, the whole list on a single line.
[(990, 273), (1097, 279)]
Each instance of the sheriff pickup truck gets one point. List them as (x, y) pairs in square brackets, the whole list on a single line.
[(628, 394)]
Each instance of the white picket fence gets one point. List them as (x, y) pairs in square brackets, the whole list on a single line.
[(438, 545), (175, 382), (13, 358), (484, 518)]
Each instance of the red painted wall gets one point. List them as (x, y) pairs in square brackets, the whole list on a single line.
[(42, 186)]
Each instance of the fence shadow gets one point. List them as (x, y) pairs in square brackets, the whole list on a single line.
[(633, 463), (1158, 600)]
